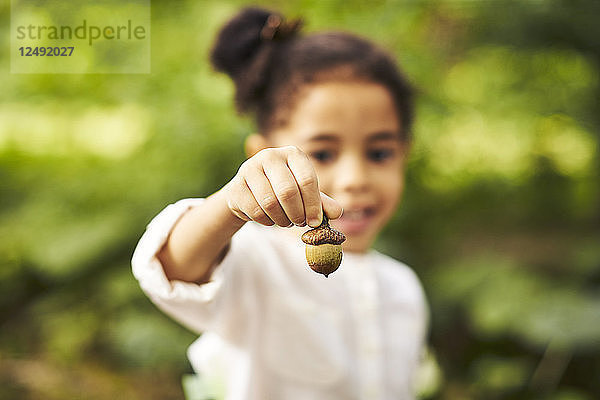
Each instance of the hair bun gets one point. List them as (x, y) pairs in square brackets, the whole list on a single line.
[(239, 41)]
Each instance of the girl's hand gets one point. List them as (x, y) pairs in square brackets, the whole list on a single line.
[(279, 186)]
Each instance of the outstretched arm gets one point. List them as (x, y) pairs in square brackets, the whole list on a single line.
[(275, 186)]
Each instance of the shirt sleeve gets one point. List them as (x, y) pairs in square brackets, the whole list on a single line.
[(213, 306)]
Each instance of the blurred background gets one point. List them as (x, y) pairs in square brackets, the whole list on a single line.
[(500, 219)]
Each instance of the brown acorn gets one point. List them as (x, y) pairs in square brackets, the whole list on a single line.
[(323, 248)]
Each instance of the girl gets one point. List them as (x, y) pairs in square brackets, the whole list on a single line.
[(334, 116)]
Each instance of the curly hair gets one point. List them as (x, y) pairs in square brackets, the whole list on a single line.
[(270, 62)]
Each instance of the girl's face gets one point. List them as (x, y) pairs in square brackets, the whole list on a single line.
[(351, 132)]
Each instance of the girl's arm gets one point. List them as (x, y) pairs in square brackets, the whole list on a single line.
[(275, 186), (199, 240)]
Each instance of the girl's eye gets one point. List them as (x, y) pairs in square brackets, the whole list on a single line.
[(380, 155), (322, 156)]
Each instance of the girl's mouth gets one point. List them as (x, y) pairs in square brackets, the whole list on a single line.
[(354, 220)]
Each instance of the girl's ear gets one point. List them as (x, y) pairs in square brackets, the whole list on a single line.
[(255, 143)]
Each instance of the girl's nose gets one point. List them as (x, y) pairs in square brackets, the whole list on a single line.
[(352, 174)]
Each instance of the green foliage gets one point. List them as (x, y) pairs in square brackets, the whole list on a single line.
[(500, 217), (502, 299)]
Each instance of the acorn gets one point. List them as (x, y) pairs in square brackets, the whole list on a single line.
[(323, 248)]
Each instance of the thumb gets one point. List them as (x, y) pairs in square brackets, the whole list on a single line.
[(332, 208)]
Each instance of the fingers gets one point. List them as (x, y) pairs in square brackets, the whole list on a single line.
[(264, 195), (332, 208), (308, 184), (286, 190), (242, 203), (280, 186)]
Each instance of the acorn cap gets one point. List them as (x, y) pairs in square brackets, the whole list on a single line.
[(323, 234)]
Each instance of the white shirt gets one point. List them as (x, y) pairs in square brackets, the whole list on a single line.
[(280, 330)]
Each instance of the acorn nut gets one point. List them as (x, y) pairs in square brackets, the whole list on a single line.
[(323, 248)]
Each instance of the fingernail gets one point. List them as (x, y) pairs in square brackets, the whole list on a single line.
[(314, 222)]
